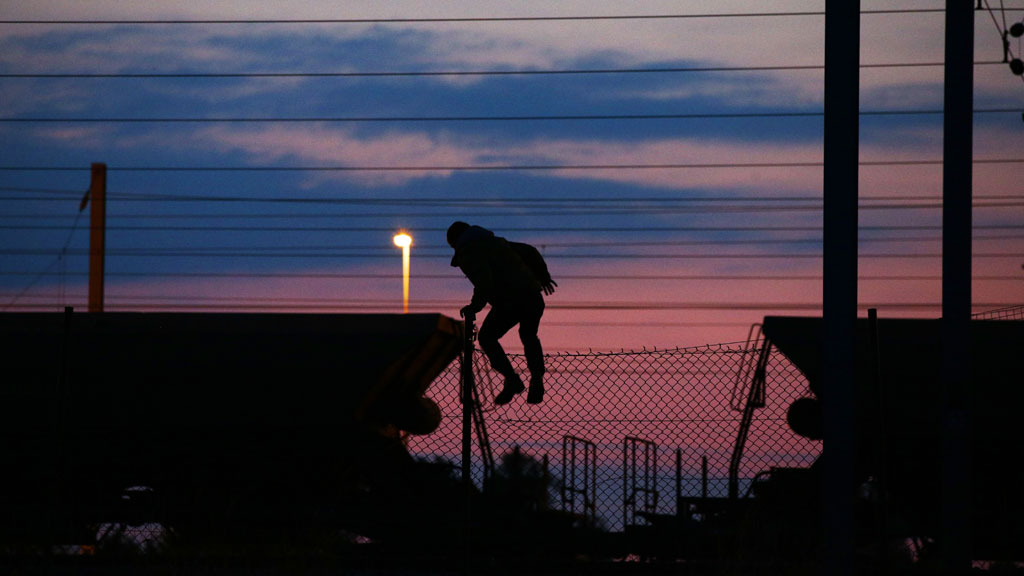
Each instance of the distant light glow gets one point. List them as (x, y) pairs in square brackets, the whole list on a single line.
[(403, 240)]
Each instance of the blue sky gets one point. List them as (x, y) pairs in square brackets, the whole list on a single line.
[(644, 255)]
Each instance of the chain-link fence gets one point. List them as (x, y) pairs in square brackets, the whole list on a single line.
[(624, 434), (1008, 313), (620, 435)]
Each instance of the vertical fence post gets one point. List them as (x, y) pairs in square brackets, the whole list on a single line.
[(626, 468), (467, 430), (704, 477), (679, 481), (57, 510), (878, 434)]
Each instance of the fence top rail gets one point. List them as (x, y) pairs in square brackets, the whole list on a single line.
[(728, 347)]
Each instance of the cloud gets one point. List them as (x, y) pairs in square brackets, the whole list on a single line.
[(745, 41), (27, 97), (451, 45), (786, 90), (330, 146), (87, 136), (324, 146)]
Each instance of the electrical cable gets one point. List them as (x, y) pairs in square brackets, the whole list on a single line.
[(503, 167), (1016, 65), (196, 302), (418, 119), (433, 229), (545, 246), (57, 260), (150, 253), (466, 19), (456, 73), (595, 277)]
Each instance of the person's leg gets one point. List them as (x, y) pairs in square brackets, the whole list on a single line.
[(499, 321), (529, 324)]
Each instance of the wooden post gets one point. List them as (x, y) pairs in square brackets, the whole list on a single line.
[(839, 294), (97, 235)]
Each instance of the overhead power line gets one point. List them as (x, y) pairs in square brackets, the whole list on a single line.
[(517, 118), (202, 303), (367, 119), (450, 19), (1013, 60), (433, 73), (595, 277), (150, 253), (466, 19), (409, 73), (541, 211), (428, 248), (448, 202), (497, 167), (553, 229)]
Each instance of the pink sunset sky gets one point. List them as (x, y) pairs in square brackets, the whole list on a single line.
[(260, 158)]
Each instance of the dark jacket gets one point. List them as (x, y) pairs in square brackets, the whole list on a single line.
[(498, 274)]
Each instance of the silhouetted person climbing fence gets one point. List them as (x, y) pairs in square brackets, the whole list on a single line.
[(511, 277)]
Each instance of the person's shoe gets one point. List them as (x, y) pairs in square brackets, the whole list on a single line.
[(536, 393), (513, 385)]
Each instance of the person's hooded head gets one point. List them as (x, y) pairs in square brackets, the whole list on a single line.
[(460, 235), (455, 231)]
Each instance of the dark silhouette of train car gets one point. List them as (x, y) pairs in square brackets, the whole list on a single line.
[(212, 423), (899, 415)]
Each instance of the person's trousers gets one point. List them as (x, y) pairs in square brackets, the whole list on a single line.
[(527, 313)]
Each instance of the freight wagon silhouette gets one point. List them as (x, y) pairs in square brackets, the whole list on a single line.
[(899, 420), (211, 424)]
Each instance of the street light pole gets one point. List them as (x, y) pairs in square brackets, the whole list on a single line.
[(404, 241)]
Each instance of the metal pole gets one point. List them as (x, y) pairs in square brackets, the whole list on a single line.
[(405, 279), (704, 477), (957, 157), (839, 306), (590, 480), (878, 434), (467, 431), (404, 241), (97, 235), (58, 509), (679, 481), (568, 476)]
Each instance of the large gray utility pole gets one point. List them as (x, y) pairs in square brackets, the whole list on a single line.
[(839, 287), (957, 172)]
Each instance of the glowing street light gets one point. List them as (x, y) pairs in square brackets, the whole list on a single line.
[(404, 241)]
